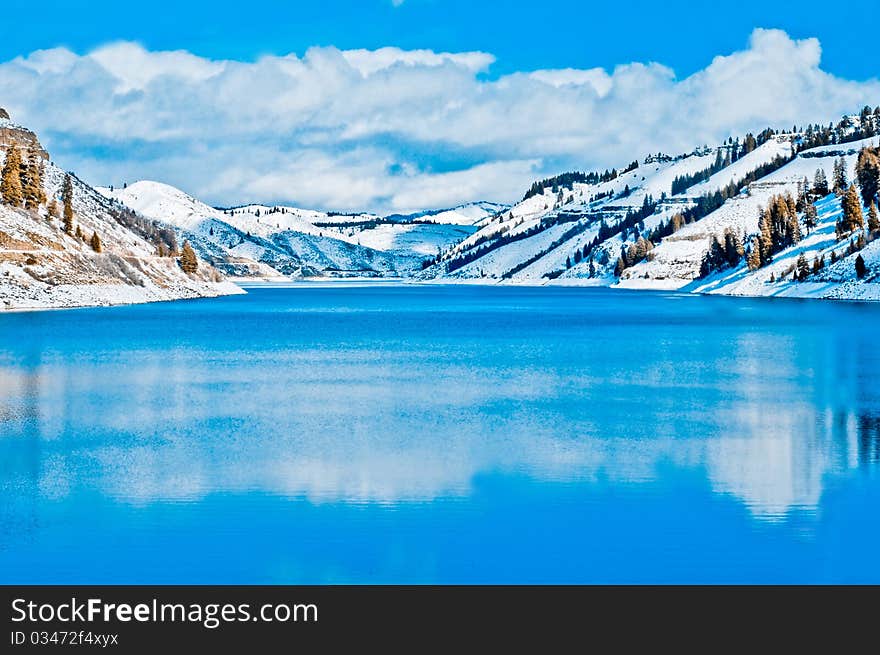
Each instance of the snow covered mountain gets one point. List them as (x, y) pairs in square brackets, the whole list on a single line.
[(107, 256), (697, 222), (269, 241), (652, 225)]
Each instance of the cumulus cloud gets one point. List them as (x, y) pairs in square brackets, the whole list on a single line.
[(396, 130)]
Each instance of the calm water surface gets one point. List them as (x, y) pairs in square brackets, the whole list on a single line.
[(359, 434)]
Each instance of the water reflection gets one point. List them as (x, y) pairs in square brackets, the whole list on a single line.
[(766, 401)]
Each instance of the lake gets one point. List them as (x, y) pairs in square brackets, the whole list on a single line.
[(442, 434)]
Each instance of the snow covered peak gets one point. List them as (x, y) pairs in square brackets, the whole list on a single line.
[(162, 202), (469, 213)]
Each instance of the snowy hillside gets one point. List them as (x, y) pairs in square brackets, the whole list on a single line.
[(468, 214), (676, 260), (272, 241), (652, 225), (42, 265)]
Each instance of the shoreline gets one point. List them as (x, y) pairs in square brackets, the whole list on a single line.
[(239, 286)]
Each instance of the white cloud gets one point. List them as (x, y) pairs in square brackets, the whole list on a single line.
[(595, 77), (391, 129), (369, 62)]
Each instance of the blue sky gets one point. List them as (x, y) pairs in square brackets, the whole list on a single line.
[(522, 34), (426, 103)]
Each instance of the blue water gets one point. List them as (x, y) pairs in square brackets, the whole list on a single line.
[(396, 434)]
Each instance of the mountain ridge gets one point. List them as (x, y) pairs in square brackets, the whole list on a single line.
[(98, 254)]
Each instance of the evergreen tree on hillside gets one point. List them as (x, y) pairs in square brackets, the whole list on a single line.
[(841, 182), (95, 242), (778, 228), (873, 218), (188, 260), (733, 248), (792, 206), (32, 180), (861, 269), (765, 238), (67, 201), (852, 218), (820, 184), (868, 175), (811, 217), (713, 260), (10, 178), (803, 268), (753, 259)]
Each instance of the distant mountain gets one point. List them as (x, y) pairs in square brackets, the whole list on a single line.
[(470, 213), (266, 241), (42, 265)]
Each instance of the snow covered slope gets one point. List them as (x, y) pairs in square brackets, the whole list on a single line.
[(268, 241), (468, 214), (675, 262), (41, 266), (534, 238), (652, 225)]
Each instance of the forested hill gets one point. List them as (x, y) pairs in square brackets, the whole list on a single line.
[(772, 213)]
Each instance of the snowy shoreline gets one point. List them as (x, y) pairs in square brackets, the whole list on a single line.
[(82, 296)]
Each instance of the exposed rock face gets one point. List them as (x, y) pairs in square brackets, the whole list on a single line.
[(42, 265), (12, 134)]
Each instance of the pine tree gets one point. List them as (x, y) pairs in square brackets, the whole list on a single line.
[(95, 242), (188, 260), (852, 218), (53, 208), (765, 237), (79, 234), (873, 218), (868, 175), (833, 256), (753, 259), (32, 180), (713, 260), (803, 268), (861, 269), (811, 217), (841, 182), (67, 200), (10, 178), (792, 205), (733, 248), (820, 184)]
